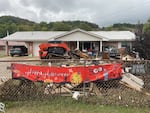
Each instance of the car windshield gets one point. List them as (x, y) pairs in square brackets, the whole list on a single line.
[(17, 48)]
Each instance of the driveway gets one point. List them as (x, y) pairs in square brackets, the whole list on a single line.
[(5, 63), (19, 58)]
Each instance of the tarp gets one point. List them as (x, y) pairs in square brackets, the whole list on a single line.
[(75, 74)]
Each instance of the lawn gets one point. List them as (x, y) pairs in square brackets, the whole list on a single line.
[(2, 53), (67, 105)]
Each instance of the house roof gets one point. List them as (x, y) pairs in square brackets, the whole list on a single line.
[(11, 43), (32, 35), (52, 35), (99, 37), (116, 35)]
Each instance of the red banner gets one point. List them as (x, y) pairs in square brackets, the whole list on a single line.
[(76, 74)]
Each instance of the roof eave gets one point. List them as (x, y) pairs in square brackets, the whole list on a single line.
[(83, 31)]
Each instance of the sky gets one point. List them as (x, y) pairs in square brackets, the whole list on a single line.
[(101, 12)]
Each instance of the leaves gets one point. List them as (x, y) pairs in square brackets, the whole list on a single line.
[(142, 43), (13, 24)]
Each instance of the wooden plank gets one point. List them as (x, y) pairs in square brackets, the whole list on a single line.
[(133, 81), (66, 89), (3, 80), (140, 90), (96, 90)]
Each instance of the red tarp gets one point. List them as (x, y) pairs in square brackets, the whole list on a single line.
[(76, 74)]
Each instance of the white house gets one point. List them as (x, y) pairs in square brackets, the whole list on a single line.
[(77, 38)]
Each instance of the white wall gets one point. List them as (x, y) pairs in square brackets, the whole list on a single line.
[(36, 48), (119, 44), (79, 36)]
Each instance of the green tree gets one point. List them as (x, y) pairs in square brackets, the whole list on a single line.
[(85, 27), (13, 24), (59, 26), (3, 30), (36, 27), (43, 26), (146, 27), (25, 28), (142, 43)]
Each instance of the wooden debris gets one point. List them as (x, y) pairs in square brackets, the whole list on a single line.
[(96, 90), (105, 55), (67, 89), (81, 54), (133, 82), (128, 58), (3, 80)]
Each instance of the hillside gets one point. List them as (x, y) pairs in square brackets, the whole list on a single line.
[(16, 20), (13, 24), (121, 27)]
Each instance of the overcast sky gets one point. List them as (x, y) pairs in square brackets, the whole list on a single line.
[(101, 12)]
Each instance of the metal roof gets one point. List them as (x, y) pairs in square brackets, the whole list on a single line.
[(116, 35), (52, 35), (32, 35)]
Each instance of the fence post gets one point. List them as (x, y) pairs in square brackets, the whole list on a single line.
[(84, 81)]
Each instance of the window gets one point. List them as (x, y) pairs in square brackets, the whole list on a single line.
[(125, 44)]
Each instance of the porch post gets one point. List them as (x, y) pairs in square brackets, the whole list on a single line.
[(100, 46), (83, 46), (131, 46), (77, 44), (91, 45), (6, 48), (30, 48)]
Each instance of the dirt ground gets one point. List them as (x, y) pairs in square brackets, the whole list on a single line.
[(110, 95)]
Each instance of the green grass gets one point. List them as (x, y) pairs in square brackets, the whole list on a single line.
[(2, 53), (67, 105)]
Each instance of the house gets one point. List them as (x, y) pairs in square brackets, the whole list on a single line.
[(2, 45), (8, 44), (77, 38)]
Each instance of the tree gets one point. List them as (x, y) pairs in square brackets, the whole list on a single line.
[(36, 27), (43, 26), (85, 27), (59, 26), (25, 28), (13, 24), (142, 43), (146, 27)]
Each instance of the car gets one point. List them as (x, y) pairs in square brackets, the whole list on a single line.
[(18, 50), (112, 51)]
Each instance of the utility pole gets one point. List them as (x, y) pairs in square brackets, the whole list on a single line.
[(6, 45)]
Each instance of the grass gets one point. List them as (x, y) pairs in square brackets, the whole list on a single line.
[(2, 53), (67, 105)]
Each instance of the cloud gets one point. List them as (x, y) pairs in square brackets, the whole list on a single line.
[(103, 13), (4, 6), (50, 5)]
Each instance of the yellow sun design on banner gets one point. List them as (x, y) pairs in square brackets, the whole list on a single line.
[(76, 78)]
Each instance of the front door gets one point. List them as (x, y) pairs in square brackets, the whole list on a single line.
[(85, 45)]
